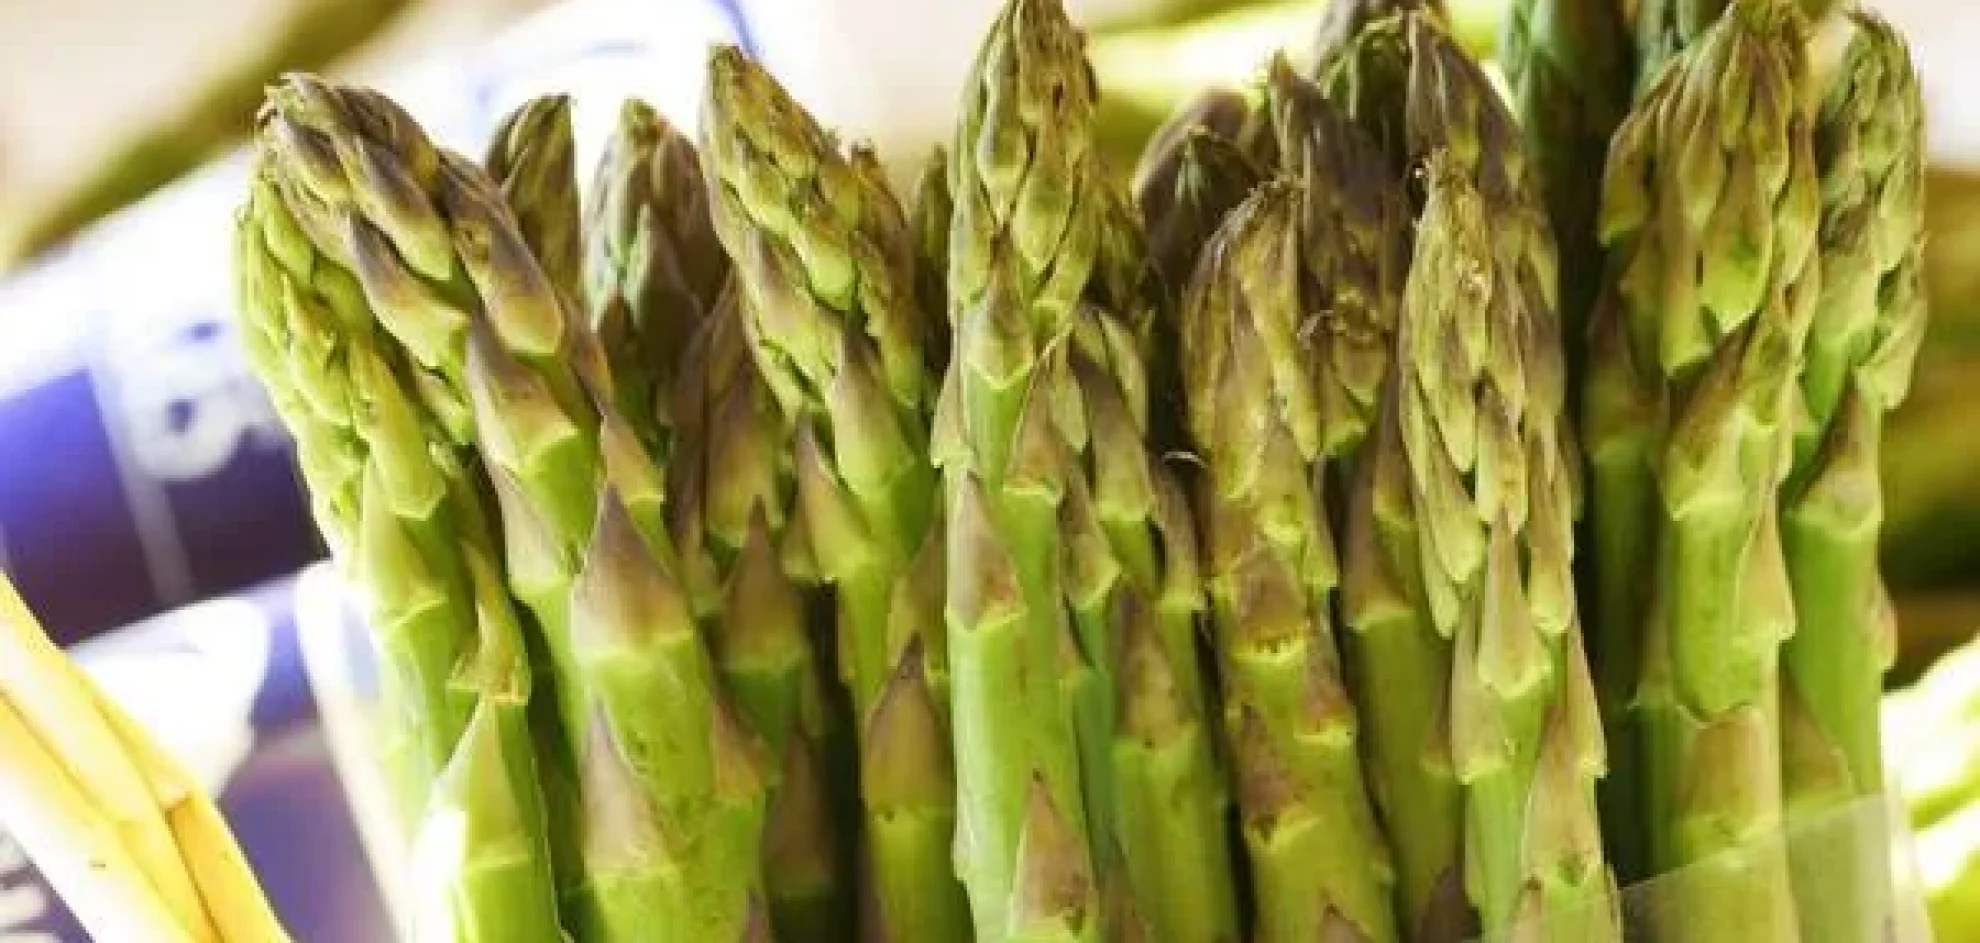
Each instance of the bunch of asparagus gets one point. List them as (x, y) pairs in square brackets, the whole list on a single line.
[(754, 555)]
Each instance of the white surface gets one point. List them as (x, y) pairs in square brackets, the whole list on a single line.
[(1945, 40)]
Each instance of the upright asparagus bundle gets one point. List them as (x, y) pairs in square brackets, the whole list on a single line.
[(1088, 801), (1710, 213), (1319, 862), (1866, 328), (672, 798), (825, 270), (407, 515), (533, 160)]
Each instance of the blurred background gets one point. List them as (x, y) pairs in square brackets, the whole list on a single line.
[(140, 469)]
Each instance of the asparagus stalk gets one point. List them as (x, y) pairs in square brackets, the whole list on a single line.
[(1368, 76), (1352, 221), (1320, 865), (1490, 478), (655, 271), (653, 267), (404, 509), (733, 504), (1359, 250), (1158, 791), (1567, 63), (1220, 112), (825, 267), (1071, 553), (1710, 214), (1662, 28), (1865, 334), (928, 227), (1031, 676), (669, 786), (1525, 730), (533, 160), (1419, 573)]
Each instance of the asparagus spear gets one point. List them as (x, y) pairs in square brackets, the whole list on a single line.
[(533, 159), (671, 798), (1220, 112), (1075, 694), (1866, 329), (1664, 27), (1189, 178), (1345, 20), (1491, 481), (1568, 65), (1368, 77), (1353, 220), (825, 268), (1154, 785), (1320, 865), (119, 828), (655, 271), (403, 508), (653, 267), (928, 226), (1710, 213)]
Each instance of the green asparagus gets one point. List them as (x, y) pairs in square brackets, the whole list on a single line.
[(1189, 178), (1345, 21), (1353, 221), (763, 650), (1869, 320), (1367, 75), (656, 270), (1418, 579), (405, 514), (928, 225), (1320, 865), (825, 268), (1089, 804), (1710, 214), (1490, 462), (653, 267), (1568, 65), (670, 788), (533, 159)]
